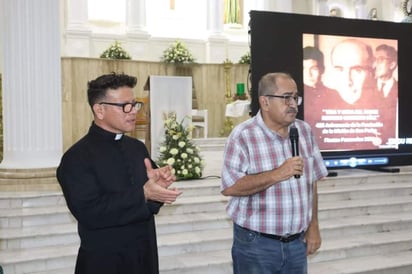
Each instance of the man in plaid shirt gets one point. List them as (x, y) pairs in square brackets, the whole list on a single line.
[(274, 200)]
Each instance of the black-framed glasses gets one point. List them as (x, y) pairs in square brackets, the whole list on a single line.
[(288, 98), (126, 107)]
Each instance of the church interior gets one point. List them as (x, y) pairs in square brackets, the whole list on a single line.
[(50, 49)]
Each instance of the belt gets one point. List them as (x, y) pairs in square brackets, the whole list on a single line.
[(283, 239)]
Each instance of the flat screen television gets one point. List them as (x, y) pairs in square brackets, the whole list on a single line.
[(355, 120)]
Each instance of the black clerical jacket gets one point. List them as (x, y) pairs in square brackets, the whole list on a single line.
[(102, 180)]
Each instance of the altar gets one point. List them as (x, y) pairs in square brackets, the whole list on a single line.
[(237, 109), (235, 113)]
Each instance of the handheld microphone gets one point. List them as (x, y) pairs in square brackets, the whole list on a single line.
[(294, 140)]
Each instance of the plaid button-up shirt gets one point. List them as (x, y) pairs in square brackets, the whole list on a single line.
[(285, 207)]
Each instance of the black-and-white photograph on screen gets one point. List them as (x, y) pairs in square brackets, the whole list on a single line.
[(351, 91)]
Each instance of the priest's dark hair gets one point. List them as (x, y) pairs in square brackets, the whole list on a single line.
[(96, 89)]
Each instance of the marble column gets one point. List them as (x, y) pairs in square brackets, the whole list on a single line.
[(278, 5), (215, 18), (323, 8), (32, 126), (77, 33), (267, 5), (136, 17), (361, 11), (137, 35), (77, 14), (217, 44)]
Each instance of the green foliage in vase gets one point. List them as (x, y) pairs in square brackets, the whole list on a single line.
[(115, 51), (177, 54), (245, 59)]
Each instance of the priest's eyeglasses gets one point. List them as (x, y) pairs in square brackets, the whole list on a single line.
[(127, 107), (288, 98)]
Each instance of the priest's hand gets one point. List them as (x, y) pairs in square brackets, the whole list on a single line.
[(165, 175), (156, 188)]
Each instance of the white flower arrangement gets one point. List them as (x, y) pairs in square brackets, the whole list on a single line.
[(178, 54), (178, 150), (245, 58), (115, 51)]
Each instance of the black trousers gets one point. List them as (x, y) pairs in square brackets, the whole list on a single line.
[(136, 260)]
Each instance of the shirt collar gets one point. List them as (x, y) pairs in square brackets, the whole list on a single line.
[(267, 130), (264, 127), (107, 135)]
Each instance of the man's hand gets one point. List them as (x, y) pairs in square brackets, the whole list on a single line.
[(292, 166), (156, 188), (312, 238)]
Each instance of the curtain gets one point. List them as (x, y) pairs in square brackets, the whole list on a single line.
[(232, 12)]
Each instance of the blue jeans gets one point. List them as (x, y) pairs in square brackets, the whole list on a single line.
[(255, 254)]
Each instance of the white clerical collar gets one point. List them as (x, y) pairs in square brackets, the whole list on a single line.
[(118, 136)]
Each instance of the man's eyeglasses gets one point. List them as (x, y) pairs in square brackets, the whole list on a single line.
[(127, 107), (288, 98), (381, 59)]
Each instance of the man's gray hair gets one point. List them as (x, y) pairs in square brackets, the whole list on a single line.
[(268, 82)]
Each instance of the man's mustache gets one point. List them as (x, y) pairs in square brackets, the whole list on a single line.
[(292, 110)]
